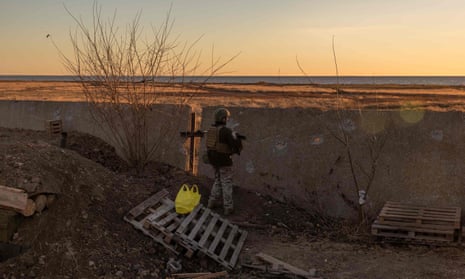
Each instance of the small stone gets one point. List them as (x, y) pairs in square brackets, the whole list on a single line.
[(91, 263), (35, 179), (144, 272), (119, 273)]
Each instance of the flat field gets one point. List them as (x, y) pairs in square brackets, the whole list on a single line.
[(324, 97)]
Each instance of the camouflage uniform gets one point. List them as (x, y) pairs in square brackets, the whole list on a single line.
[(222, 143), (223, 186)]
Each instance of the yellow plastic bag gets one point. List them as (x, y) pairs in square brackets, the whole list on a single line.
[(187, 199)]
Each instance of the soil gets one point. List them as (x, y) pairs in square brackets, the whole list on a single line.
[(83, 234)]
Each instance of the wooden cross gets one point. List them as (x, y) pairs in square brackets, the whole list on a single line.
[(192, 134)]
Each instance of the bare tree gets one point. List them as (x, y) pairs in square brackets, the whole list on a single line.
[(363, 167), (123, 74)]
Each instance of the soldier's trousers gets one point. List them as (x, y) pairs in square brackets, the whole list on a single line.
[(223, 187)]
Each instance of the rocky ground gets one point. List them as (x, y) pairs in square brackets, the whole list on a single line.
[(83, 234)]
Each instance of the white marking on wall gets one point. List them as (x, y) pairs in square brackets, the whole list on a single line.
[(437, 135), (56, 114), (348, 125), (249, 167), (280, 147)]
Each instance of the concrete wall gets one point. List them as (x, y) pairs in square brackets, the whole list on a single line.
[(295, 155), (165, 122)]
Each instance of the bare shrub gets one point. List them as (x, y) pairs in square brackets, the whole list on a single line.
[(361, 156), (124, 74)]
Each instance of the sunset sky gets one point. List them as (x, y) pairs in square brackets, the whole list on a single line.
[(372, 37)]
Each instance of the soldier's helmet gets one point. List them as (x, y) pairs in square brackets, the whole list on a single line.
[(221, 114)]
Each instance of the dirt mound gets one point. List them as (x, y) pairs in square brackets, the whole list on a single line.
[(96, 150), (83, 235)]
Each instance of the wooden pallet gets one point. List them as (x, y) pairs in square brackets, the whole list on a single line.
[(200, 230), (394, 212), (156, 218), (165, 220), (54, 127), (411, 232), (212, 235), (418, 223)]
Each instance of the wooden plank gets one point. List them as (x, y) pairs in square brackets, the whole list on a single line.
[(411, 206), (199, 224), (227, 244), (417, 237), (189, 275), (213, 275), (136, 211), (12, 198), (217, 239), (425, 213), (186, 222), (416, 225), (420, 217), (157, 236), (175, 225), (201, 275), (291, 268), (170, 217), (238, 249), (414, 229), (182, 228), (159, 212), (208, 230)]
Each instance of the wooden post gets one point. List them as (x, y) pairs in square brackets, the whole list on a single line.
[(192, 145), (192, 134)]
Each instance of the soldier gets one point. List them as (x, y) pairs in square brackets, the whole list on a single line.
[(222, 142)]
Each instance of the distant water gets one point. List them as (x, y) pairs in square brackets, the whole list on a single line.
[(375, 80)]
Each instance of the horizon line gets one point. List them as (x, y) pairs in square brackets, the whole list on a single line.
[(256, 75)]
